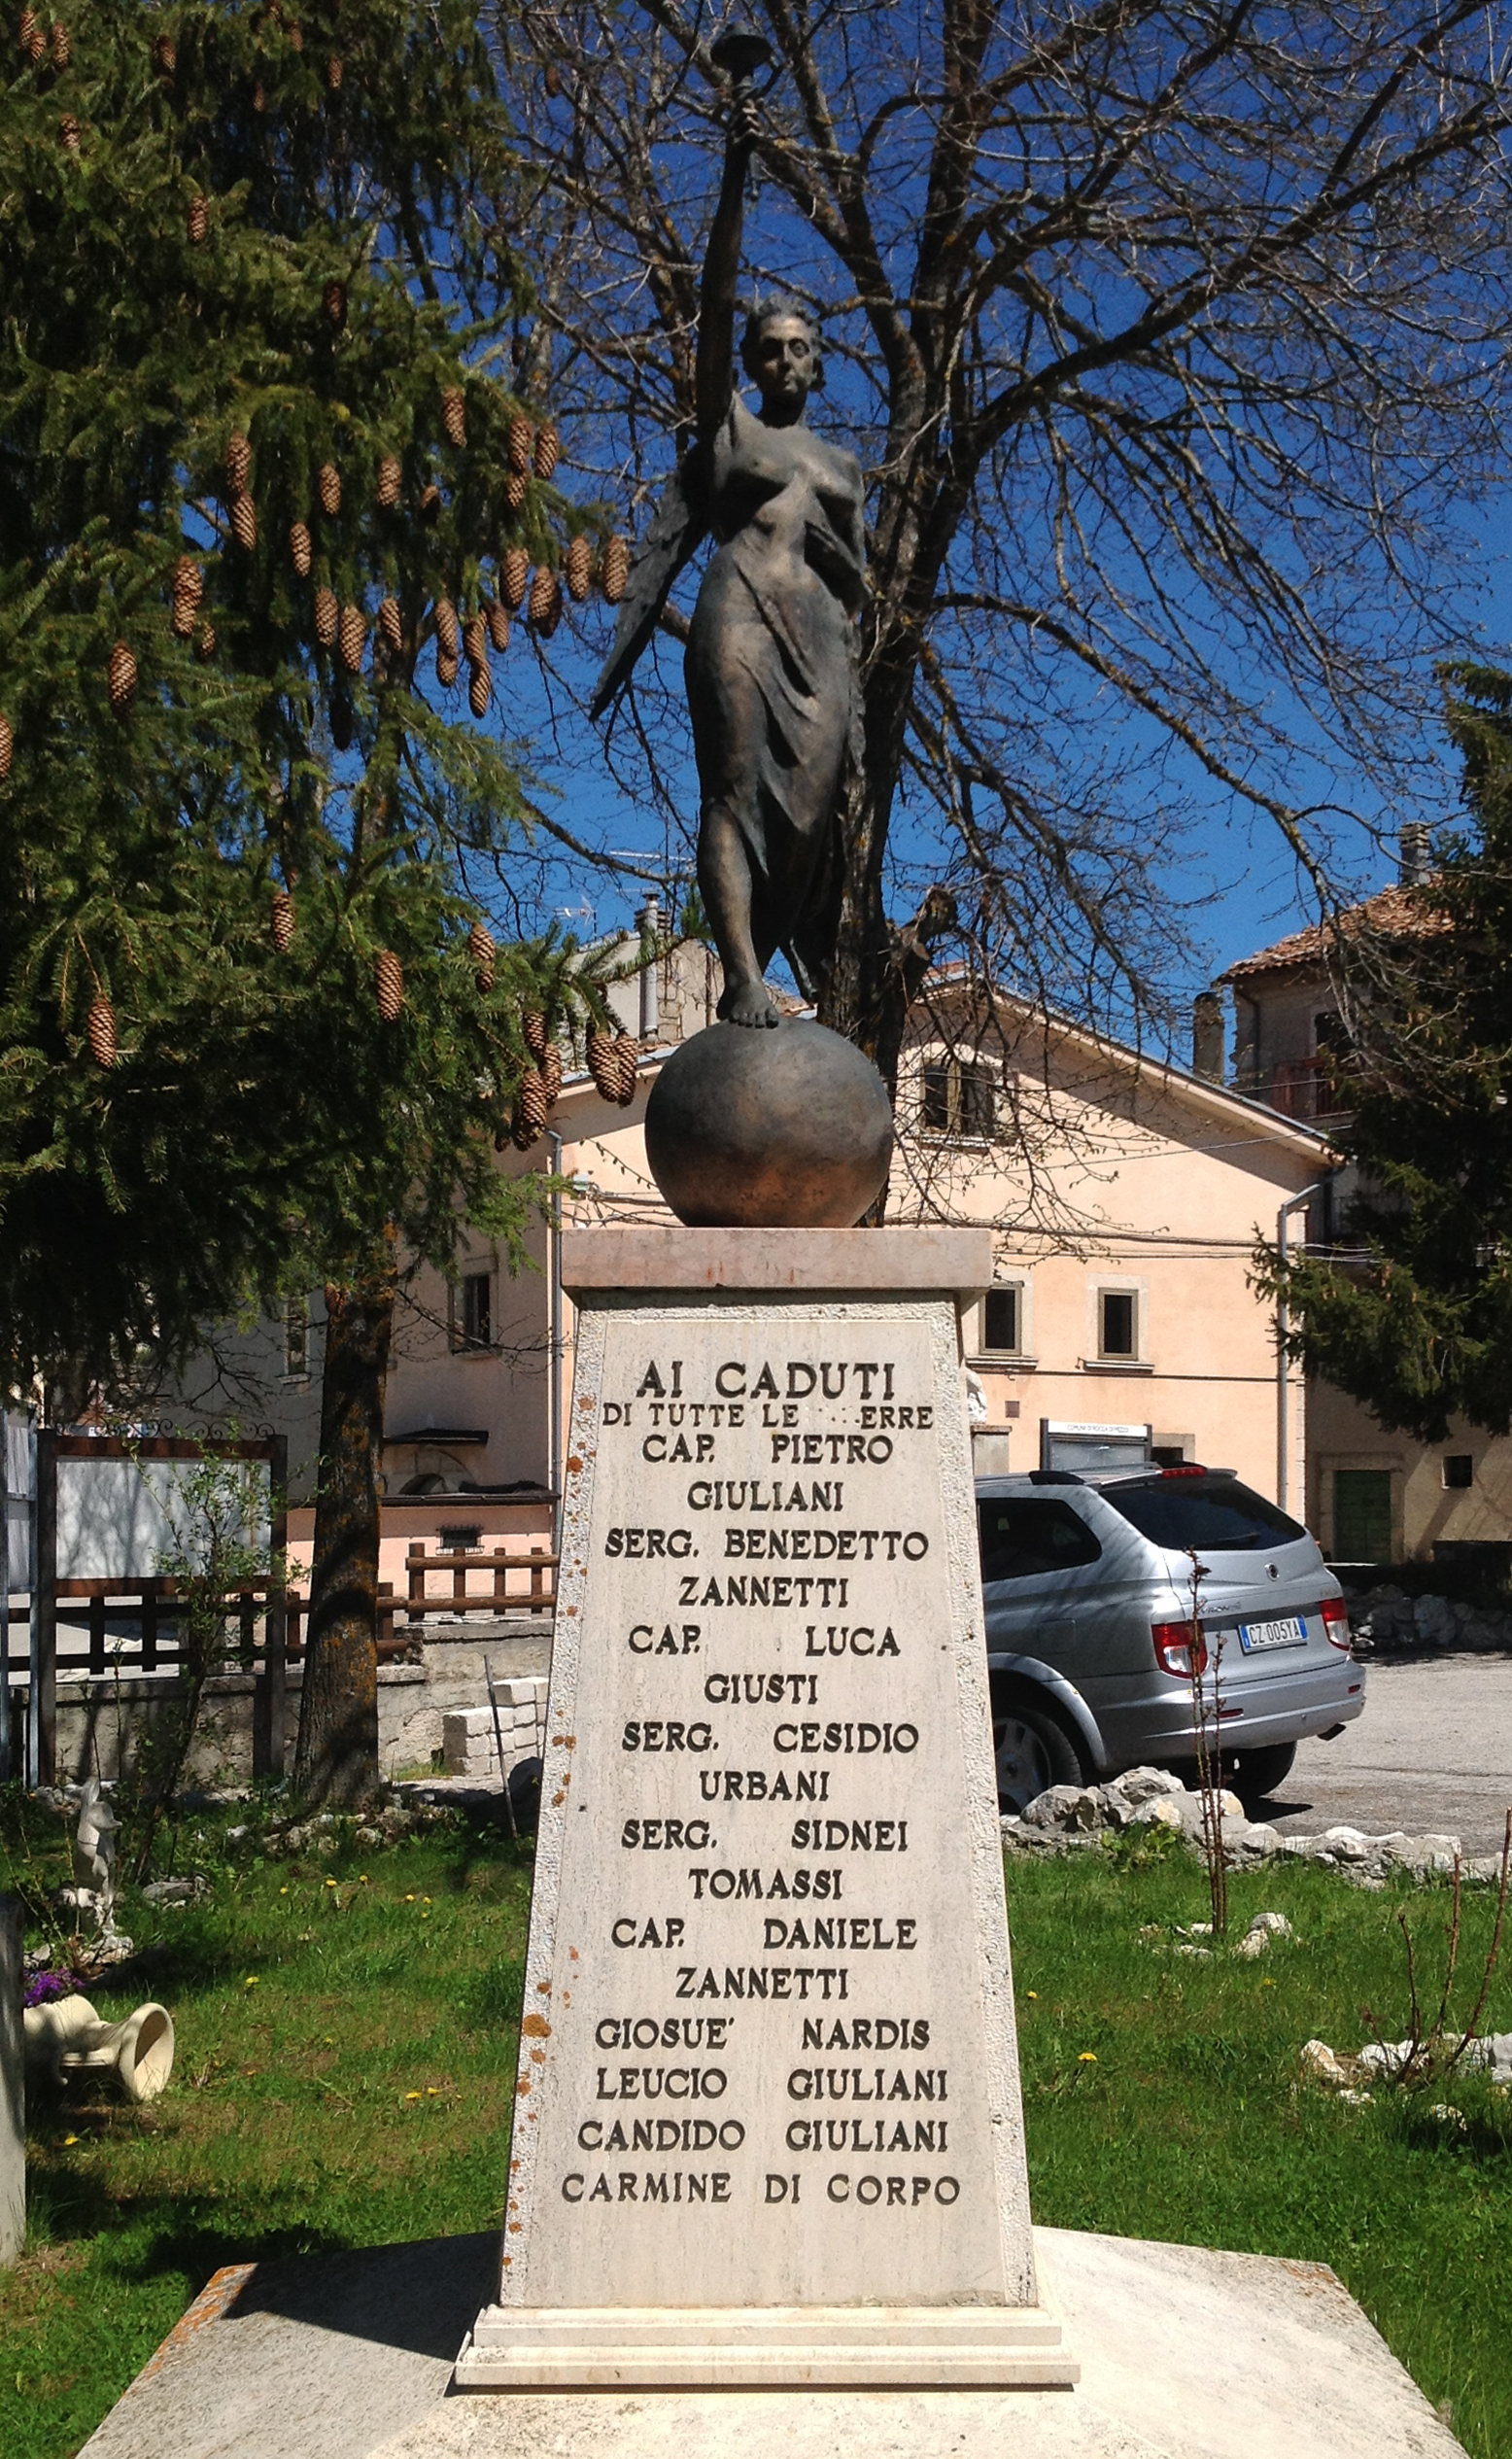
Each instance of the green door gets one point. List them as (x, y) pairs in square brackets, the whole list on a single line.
[(1361, 1515)]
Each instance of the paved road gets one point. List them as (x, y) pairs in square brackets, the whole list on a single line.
[(1432, 1753)]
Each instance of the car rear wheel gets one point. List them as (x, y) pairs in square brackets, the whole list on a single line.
[(1032, 1751), (1256, 1774)]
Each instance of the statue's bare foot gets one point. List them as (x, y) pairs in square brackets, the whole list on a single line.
[(749, 1003)]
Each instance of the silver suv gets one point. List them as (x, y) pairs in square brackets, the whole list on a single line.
[(1088, 1587)]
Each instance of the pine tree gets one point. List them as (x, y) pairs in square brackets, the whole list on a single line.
[(268, 257), (1415, 1317)]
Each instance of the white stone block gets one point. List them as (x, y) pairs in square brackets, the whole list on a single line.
[(13, 2087)]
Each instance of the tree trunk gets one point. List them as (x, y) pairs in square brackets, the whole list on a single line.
[(336, 1761)]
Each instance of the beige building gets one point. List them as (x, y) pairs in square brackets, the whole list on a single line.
[(1372, 1494), (1126, 1196)]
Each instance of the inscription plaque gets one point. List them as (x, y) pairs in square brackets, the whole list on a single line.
[(768, 2119)]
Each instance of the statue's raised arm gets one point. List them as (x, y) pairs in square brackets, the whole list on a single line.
[(680, 522)]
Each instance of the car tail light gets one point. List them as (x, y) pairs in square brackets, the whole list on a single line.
[(1175, 1643), (1186, 1469), (1336, 1622)]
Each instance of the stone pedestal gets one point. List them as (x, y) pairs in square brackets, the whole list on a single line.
[(12, 2086), (767, 2124)]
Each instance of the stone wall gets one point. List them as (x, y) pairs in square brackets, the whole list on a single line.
[(98, 1719)]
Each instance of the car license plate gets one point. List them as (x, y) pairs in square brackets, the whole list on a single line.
[(1290, 1630)]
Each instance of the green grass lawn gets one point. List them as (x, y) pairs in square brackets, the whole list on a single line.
[(346, 2055)]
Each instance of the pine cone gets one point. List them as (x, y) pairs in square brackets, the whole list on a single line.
[(513, 573), (550, 79), (534, 1026), (296, 36), (482, 950), (198, 221), (189, 588), (497, 624), (616, 569), (165, 55), (388, 984), (445, 669), (238, 464), (446, 627), (390, 623), (284, 920), (626, 1053), (474, 640), (480, 689), (301, 548), (430, 503), (520, 438), (205, 644), (333, 304), (579, 569), (545, 601), (515, 489), (100, 1033), (68, 133), (551, 1073), (7, 746), (328, 617), (548, 448), (390, 476), (33, 41), (121, 678), (454, 416), (353, 637), (343, 725), (62, 46), (258, 97), (531, 1109), (329, 488), (333, 73), (243, 523), (603, 1064)]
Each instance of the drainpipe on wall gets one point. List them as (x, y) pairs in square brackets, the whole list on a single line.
[(1293, 1203)]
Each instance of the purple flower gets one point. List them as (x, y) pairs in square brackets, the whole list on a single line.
[(45, 1987)]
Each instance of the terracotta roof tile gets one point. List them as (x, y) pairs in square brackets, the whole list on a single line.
[(1392, 913)]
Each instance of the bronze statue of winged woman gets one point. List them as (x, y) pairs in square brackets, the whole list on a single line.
[(770, 667)]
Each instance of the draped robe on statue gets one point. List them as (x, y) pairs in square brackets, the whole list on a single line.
[(772, 673)]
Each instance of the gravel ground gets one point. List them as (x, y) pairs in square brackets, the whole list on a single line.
[(1431, 1754)]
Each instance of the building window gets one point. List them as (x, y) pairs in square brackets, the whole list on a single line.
[(473, 1323), (1458, 1470), (1002, 1320), (296, 1338), (1117, 1324), (960, 1098)]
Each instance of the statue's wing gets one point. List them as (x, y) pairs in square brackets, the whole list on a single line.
[(672, 539)]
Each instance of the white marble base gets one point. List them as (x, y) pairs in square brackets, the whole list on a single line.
[(755, 2348)]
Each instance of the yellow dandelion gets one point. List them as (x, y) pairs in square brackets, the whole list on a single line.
[(1267, 1983), (424, 1899), (1086, 2058), (70, 2138), (251, 1981), (362, 1880), (1031, 1994), (330, 1882), (409, 1899), (283, 1891), (412, 2095), (432, 2092)]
